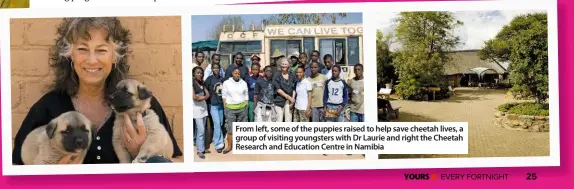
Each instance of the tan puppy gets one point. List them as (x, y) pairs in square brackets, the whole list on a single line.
[(130, 98), (68, 134)]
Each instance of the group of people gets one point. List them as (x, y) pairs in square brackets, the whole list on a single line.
[(293, 89)]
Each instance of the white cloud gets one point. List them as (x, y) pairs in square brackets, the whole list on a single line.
[(478, 27)]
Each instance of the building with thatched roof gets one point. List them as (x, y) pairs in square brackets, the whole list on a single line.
[(467, 67)]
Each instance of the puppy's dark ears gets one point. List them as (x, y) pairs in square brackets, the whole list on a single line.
[(51, 128), (143, 93)]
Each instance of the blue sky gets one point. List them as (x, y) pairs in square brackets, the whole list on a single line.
[(202, 25), (478, 27)]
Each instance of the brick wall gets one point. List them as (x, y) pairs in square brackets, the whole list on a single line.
[(155, 61)]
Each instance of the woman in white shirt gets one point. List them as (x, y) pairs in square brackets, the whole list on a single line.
[(200, 95), (235, 96)]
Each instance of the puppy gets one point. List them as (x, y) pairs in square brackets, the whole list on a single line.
[(68, 134), (131, 97)]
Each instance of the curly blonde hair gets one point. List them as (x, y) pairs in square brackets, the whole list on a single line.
[(72, 29)]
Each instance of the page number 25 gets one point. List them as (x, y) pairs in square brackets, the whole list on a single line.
[(531, 176)]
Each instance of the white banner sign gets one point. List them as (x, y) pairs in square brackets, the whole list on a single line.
[(304, 30)]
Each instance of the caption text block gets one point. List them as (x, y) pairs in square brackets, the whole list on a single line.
[(350, 138)]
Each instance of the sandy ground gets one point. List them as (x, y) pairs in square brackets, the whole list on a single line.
[(477, 107), (220, 157)]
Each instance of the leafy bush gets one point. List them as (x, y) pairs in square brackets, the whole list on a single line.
[(413, 89), (505, 107), (409, 89), (528, 108)]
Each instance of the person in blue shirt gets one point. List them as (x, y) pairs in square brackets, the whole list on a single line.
[(251, 80), (336, 96)]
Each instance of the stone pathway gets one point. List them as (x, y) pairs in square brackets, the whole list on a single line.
[(477, 107)]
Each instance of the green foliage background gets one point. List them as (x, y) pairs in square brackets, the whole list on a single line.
[(524, 43), (426, 39)]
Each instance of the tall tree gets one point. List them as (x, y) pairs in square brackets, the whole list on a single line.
[(229, 22), (256, 25), (426, 40), (524, 43), (385, 68), (315, 18)]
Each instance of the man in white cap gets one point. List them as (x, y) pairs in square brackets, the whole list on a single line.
[(255, 59), (294, 62)]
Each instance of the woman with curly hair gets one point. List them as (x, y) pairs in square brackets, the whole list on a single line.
[(88, 60)]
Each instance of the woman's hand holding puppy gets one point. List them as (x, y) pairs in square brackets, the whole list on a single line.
[(133, 139)]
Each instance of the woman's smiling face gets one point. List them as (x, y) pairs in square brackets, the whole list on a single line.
[(198, 74), (93, 58)]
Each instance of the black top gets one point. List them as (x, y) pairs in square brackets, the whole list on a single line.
[(264, 90), (52, 104), (287, 85), (214, 85), (243, 71), (275, 70), (197, 89), (250, 80)]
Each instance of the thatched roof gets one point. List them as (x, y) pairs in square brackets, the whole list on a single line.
[(463, 61)]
